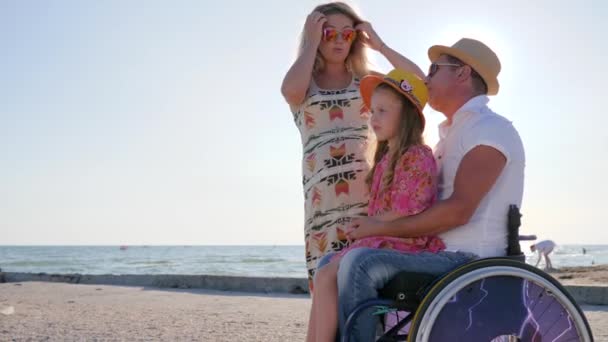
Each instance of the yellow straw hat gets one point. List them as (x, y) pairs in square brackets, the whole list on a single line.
[(406, 83)]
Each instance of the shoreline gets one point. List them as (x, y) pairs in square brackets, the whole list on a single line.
[(587, 284), (170, 281)]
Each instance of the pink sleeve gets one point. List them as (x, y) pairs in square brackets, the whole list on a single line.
[(415, 181)]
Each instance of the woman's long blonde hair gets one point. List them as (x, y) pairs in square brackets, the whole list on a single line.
[(410, 133), (357, 61)]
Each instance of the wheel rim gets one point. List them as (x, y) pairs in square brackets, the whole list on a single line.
[(540, 300)]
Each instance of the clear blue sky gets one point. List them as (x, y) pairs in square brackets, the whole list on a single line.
[(161, 122)]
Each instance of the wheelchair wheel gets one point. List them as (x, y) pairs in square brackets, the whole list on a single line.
[(499, 300)]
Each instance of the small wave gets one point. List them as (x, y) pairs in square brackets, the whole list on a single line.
[(260, 260), (148, 263), (34, 263)]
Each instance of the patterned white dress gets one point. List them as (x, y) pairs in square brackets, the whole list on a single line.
[(334, 128)]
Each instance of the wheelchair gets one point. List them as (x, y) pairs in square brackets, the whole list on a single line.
[(491, 300)]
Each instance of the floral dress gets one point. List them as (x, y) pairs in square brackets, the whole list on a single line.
[(414, 188)]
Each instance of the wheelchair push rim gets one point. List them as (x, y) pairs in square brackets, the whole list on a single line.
[(538, 309)]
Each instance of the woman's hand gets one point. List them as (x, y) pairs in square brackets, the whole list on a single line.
[(313, 29), (369, 37)]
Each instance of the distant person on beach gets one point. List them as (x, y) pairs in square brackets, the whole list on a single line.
[(544, 248), (322, 90), (402, 182)]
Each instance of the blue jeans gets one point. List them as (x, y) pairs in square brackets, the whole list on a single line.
[(363, 271)]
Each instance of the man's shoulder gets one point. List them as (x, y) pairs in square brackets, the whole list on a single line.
[(492, 129), (489, 123), (488, 118)]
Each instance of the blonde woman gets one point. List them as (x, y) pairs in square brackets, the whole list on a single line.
[(322, 90)]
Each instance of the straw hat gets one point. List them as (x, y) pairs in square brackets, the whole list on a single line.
[(408, 84), (475, 54)]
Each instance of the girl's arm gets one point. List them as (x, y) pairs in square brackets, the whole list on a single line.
[(297, 80), (396, 59)]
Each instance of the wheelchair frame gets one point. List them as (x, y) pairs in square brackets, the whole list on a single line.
[(425, 297)]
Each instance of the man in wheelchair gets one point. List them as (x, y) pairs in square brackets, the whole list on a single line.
[(479, 288), (481, 173)]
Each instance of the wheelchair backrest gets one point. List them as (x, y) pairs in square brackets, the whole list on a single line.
[(513, 224)]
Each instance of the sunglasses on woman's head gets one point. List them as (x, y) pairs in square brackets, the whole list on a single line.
[(331, 34)]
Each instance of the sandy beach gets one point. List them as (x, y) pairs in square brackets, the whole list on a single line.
[(60, 312), (67, 312), (582, 275)]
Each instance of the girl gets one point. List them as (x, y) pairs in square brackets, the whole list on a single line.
[(322, 89), (403, 181)]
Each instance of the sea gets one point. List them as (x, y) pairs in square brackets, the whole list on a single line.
[(250, 261)]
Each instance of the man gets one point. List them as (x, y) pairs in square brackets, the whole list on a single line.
[(545, 248), (481, 169)]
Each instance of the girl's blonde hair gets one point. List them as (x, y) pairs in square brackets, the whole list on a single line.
[(409, 134), (357, 61)]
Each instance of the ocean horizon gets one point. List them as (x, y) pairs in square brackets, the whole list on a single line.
[(231, 260)]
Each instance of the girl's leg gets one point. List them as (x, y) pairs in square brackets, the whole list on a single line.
[(326, 302), (310, 334), (312, 326)]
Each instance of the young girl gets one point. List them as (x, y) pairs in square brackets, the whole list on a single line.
[(403, 181), (322, 89)]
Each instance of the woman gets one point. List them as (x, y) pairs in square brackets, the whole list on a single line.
[(322, 90)]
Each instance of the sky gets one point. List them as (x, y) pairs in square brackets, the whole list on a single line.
[(162, 122)]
